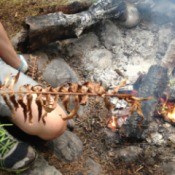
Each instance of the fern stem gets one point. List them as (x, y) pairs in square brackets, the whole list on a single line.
[(69, 93)]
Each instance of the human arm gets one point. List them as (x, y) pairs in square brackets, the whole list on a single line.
[(8, 54), (54, 126)]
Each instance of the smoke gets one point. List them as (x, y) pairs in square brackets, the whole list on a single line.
[(158, 11)]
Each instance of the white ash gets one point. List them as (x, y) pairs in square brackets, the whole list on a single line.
[(156, 139), (172, 138), (108, 77), (128, 154), (165, 36), (98, 59), (168, 60), (134, 56), (121, 120), (139, 49), (119, 103)]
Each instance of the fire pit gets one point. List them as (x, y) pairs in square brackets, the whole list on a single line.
[(144, 55)]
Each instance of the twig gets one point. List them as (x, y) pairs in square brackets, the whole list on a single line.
[(141, 167)]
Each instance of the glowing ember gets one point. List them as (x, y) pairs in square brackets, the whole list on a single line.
[(112, 123), (167, 110), (171, 115), (116, 122)]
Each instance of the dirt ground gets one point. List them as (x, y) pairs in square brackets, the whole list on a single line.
[(13, 12), (12, 15)]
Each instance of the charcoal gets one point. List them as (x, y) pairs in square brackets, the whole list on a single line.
[(153, 84)]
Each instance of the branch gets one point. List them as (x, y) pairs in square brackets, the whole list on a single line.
[(48, 97)]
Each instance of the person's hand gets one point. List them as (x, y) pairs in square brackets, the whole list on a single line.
[(23, 66)]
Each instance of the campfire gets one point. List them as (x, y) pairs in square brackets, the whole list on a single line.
[(141, 133)]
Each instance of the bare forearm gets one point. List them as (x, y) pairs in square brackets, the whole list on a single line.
[(7, 52)]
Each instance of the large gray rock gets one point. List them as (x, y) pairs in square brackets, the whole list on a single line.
[(41, 166), (58, 72), (128, 154), (67, 147), (169, 168), (81, 46), (42, 60)]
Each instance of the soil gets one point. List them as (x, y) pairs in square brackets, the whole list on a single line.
[(12, 14)]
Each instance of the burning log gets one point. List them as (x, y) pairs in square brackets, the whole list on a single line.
[(41, 30), (67, 6), (153, 84), (166, 104)]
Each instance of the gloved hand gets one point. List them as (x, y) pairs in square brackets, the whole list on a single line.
[(24, 66)]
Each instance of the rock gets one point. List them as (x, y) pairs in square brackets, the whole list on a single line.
[(172, 138), (41, 166), (82, 45), (128, 154), (156, 139), (92, 167), (169, 168), (42, 59), (131, 18), (58, 72), (111, 138), (70, 124), (67, 147)]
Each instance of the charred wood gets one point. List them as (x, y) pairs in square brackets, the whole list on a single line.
[(68, 7), (44, 29), (153, 84)]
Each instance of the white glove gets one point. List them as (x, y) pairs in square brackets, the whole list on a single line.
[(24, 66)]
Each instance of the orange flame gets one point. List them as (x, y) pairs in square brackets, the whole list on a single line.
[(113, 123), (171, 115), (167, 110)]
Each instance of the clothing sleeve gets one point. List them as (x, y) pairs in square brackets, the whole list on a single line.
[(5, 71)]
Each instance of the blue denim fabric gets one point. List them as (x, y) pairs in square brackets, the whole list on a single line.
[(6, 70)]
